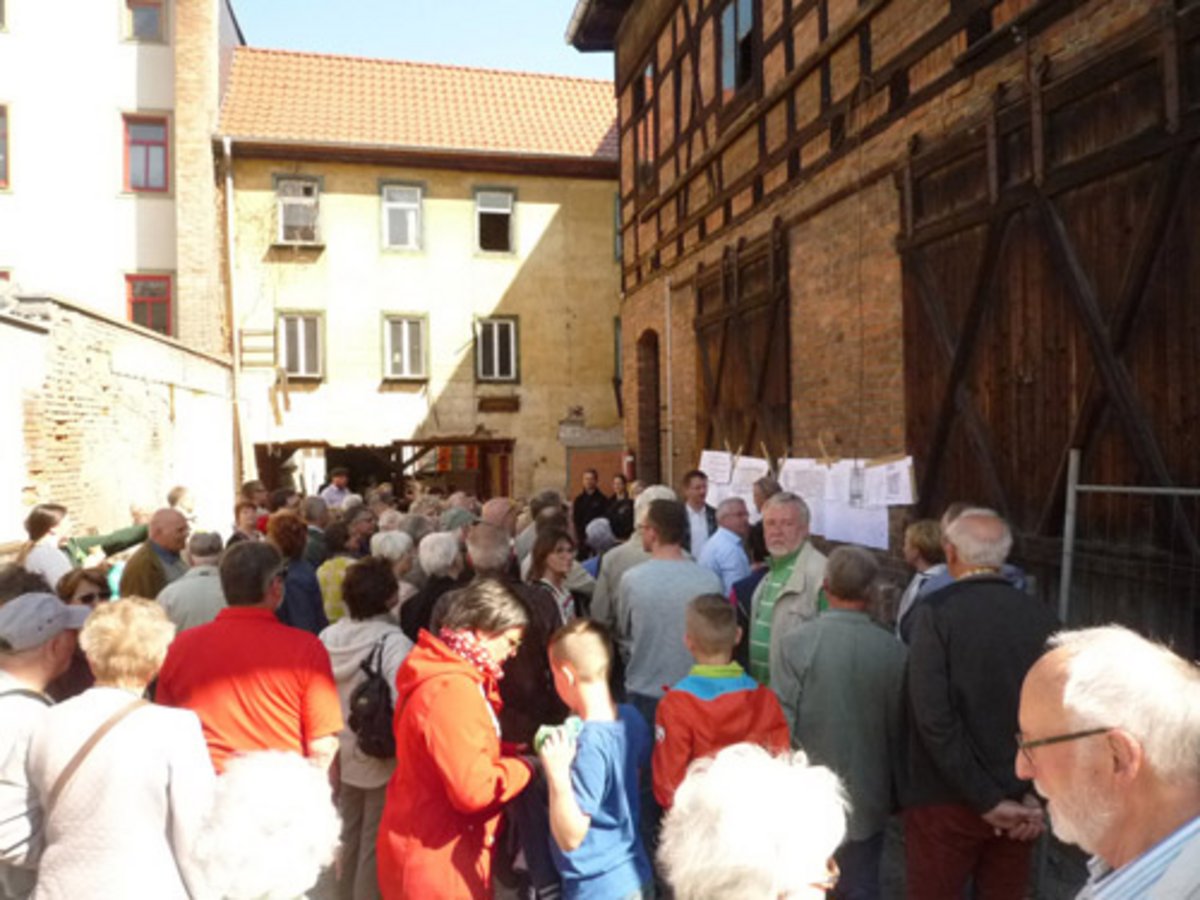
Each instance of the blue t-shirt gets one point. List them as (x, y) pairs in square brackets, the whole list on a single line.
[(611, 861)]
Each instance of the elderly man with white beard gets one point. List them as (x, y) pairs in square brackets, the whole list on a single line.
[(1110, 736)]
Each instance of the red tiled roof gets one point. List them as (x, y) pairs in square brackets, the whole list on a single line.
[(308, 98)]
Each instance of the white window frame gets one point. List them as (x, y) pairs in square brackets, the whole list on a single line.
[(481, 327), (494, 201), (413, 203), (305, 368), (311, 199), (410, 373)]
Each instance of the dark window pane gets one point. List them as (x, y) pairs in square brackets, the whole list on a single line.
[(158, 317), (149, 289), (505, 332), (494, 231), (487, 349)]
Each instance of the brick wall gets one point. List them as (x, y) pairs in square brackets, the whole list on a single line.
[(112, 415), (846, 365), (200, 304)]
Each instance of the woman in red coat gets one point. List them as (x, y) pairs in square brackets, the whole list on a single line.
[(444, 800)]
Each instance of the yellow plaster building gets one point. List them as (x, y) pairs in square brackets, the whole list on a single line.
[(422, 269)]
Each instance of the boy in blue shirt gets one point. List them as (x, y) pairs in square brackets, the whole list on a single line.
[(593, 778)]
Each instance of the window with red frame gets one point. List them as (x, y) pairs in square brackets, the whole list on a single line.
[(146, 154), (150, 301), (145, 20)]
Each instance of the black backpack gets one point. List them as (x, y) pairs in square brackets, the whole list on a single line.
[(371, 708)]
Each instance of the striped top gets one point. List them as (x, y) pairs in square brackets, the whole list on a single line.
[(760, 629), (1137, 878)]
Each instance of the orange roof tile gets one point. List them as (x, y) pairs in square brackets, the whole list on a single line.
[(288, 97)]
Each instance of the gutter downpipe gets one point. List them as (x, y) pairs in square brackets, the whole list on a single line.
[(670, 418), (231, 311)]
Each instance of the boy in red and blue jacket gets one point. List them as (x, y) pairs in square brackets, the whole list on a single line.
[(716, 705)]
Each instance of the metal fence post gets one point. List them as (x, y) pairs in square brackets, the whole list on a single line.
[(1068, 540)]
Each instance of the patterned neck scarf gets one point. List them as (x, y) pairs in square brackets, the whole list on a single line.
[(467, 645)]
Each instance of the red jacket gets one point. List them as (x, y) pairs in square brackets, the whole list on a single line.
[(713, 707), (444, 800)]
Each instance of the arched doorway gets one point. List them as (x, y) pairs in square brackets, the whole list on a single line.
[(649, 427)]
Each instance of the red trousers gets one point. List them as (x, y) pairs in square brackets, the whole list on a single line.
[(947, 844)]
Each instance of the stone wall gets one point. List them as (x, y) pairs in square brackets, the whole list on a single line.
[(113, 415)]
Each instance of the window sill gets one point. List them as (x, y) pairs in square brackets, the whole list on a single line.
[(298, 245), (402, 251), (167, 194), (495, 254), (405, 379)]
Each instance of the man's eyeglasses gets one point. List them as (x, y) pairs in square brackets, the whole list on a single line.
[(1025, 746)]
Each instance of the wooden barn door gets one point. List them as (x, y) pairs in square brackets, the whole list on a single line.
[(742, 348), (1052, 300)]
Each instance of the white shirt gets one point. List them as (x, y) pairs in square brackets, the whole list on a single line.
[(19, 820), (47, 560), (698, 523)]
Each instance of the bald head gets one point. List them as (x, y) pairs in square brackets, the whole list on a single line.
[(169, 529), (500, 512)]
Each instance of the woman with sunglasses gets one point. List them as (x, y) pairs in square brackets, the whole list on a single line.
[(79, 587)]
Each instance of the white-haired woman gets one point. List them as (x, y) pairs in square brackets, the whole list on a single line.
[(272, 828), (747, 825), (400, 551), (120, 815), (442, 561)]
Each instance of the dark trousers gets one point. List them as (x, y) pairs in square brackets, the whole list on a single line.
[(529, 815), (946, 844), (858, 862), (650, 811)]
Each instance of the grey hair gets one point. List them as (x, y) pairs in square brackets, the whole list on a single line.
[(721, 842), (726, 505), (786, 498), (546, 499), (437, 553), (313, 510), (490, 548), (850, 571), (981, 537), (391, 545), (1153, 695), (641, 506), (389, 520), (204, 545), (417, 527)]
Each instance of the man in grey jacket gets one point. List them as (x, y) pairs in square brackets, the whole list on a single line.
[(788, 595)]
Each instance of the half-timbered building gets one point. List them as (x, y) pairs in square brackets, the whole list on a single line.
[(964, 229)]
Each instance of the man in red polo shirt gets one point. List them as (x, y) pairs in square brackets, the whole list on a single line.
[(255, 683)]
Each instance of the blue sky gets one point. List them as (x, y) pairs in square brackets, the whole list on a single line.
[(500, 34)]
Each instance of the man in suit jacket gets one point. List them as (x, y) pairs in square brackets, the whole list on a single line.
[(702, 518)]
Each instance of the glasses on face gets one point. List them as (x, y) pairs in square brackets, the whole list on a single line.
[(92, 597), (1026, 746)]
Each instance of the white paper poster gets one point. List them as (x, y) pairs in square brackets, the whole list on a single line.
[(865, 525), (808, 479), (717, 465), (890, 484)]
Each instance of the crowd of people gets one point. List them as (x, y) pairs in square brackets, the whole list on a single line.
[(633, 696)]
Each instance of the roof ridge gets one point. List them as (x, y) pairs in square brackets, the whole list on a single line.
[(283, 51)]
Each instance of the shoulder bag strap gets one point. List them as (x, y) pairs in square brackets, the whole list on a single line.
[(81, 754), (27, 692)]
